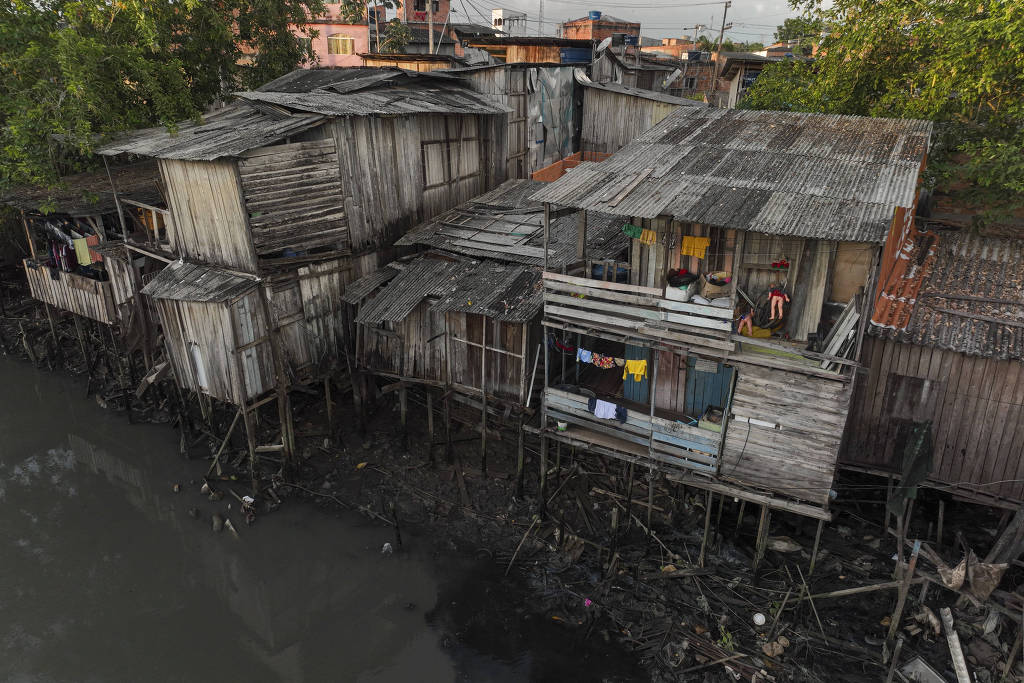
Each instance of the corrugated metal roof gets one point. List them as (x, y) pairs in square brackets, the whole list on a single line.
[(365, 286), (226, 133), (181, 281), (505, 224), (810, 175), (956, 291), (89, 194), (643, 93), (301, 100), (503, 291)]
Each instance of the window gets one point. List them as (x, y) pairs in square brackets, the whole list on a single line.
[(339, 44), (689, 83), (421, 6), (497, 22)]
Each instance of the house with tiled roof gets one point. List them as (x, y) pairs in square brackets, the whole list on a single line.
[(944, 350)]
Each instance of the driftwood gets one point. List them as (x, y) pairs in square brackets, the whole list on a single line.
[(959, 663)]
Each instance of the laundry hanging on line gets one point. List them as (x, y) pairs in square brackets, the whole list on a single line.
[(695, 246), (606, 410), (636, 368)]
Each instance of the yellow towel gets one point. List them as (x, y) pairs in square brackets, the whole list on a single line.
[(695, 246), (637, 368), (648, 237), (82, 252)]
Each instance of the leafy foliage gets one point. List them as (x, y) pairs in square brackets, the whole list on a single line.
[(958, 63), (805, 30), (396, 36), (73, 71)]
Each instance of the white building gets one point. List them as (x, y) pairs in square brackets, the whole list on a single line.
[(512, 22)]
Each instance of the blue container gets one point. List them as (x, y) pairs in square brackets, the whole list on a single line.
[(594, 15)]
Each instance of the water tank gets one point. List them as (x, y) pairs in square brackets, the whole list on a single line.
[(594, 15)]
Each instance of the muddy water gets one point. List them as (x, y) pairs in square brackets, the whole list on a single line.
[(105, 575)]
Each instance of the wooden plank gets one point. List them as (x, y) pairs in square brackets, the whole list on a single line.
[(696, 321), (604, 294), (698, 309), (599, 284)]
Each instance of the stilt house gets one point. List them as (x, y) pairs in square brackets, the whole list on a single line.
[(280, 199), (73, 232), (465, 315), (731, 212), (944, 351)]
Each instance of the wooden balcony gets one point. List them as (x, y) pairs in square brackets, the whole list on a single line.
[(71, 292), (641, 435), (630, 312)]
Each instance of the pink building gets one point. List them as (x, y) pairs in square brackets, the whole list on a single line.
[(339, 42)]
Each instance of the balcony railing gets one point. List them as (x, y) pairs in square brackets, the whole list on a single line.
[(631, 311), (642, 435), (71, 292)]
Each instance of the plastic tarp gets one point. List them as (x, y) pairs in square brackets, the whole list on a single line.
[(550, 111)]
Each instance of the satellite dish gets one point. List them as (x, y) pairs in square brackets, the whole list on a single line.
[(604, 44)]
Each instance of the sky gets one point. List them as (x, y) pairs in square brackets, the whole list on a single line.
[(752, 20)]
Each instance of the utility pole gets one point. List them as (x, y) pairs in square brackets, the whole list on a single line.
[(430, 25), (721, 34), (718, 49), (540, 17)]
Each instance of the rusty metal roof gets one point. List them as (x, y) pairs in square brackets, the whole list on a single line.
[(182, 281), (956, 291), (509, 292), (505, 224), (808, 175)]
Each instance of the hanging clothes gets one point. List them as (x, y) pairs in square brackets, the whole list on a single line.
[(619, 362), (695, 246), (603, 362), (602, 409), (631, 230), (93, 241), (648, 237), (82, 252), (636, 368), (584, 356)]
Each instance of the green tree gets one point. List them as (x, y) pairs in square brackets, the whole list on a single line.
[(957, 63), (396, 36), (74, 71), (799, 28)]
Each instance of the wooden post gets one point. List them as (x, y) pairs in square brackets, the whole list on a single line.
[(901, 600), (581, 237), (942, 515), (707, 528), (762, 536), (888, 497), (330, 406), (520, 459), (547, 232), (629, 495), (284, 410), (739, 517), (117, 201), (430, 425), (447, 428), (28, 237), (895, 659), (543, 475), (817, 541), (403, 411), (651, 478), (81, 344), (483, 396), (250, 439), (956, 653)]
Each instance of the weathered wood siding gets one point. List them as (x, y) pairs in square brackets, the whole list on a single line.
[(533, 54), (612, 120), (976, 406), (294, 197), (326, 318), (399, 171), (785, 432), (70, 292), (209, 221), (413, 347), (205, 333), (289, 319), (505, 367)]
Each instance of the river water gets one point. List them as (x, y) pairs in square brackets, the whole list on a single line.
[(105, 575)]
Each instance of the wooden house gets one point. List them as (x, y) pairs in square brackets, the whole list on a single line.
[(304, 184), (614, 115), (533, 49), (544, 122), (465, 315), (96, 280), (944, 349), (746, 202)]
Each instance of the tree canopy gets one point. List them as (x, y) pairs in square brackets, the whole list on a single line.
[(957, 63), (806, 31), (73, 71)]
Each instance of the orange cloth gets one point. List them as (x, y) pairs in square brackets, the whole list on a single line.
[(695, 246)]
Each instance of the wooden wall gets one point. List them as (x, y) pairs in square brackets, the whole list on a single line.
[(505, 365), (326, 318), (976, 406), (413, 347), (209, 219), (70, 292), (230, 375), (533, 54), (785, 432), (399, 171), (612, 120), (294, 197)]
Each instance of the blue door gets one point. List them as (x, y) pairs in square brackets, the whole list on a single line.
[(707, 384)]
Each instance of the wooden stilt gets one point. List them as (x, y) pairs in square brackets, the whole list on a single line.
[(227, 437), (520, 459), (250, 439), (447, 429), (483, 397), (430, 426), (817, 541), (707, 528), (81, 344), (942, 518), (739, 517), (543, 476), (761, 542), (888, 497), (403, 408), (901, 600), (629, 495), (718, 514), (329, 404), (651, 479)]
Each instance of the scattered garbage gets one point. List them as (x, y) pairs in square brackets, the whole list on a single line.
[(759, 619), (218, 522), (387, 549)]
